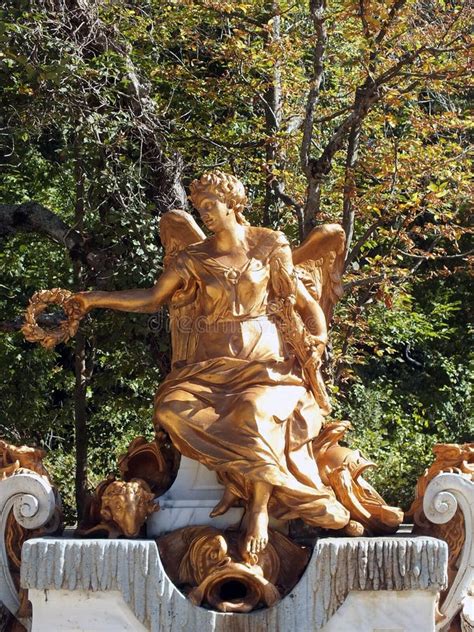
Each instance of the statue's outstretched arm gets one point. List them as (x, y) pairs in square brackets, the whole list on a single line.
[(145, 301)]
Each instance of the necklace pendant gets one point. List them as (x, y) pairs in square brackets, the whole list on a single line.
[(232, 275)]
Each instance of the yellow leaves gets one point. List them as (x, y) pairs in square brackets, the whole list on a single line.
[(439, 190), (375, 209), (391, 120), (223, 7), (25, 90), (239, 33)]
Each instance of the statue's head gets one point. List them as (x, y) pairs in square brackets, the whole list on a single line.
[(127, 504), (216, 194)]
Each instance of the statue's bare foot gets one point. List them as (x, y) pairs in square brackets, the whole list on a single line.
[(225, 503), (256, 537)]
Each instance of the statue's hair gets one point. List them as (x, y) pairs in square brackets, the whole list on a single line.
[(226, 186), (116, 488)]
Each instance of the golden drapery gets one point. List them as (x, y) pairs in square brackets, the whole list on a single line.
[(237, 402)]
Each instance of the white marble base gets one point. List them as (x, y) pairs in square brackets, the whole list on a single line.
[(467, 612), (82, 611), (174, 514), (194, 482), (387, 611), (85, 611), (350, 585), (191, 498)]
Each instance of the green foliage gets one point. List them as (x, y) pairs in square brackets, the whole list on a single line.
[(415, 388)]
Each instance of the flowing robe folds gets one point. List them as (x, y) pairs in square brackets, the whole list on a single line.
[(238, 403)]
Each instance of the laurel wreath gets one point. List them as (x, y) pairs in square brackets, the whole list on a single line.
[(49, 338)]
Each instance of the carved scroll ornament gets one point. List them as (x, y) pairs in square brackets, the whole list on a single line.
[(341, 468), (29, 507), (444, 508)]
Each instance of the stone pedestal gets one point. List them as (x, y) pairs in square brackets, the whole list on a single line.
[(350, 585), (190, 500)]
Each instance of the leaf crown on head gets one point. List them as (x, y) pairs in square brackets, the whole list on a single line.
[(226, 187)]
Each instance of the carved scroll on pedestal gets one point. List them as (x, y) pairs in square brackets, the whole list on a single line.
[(444, 508), (29, 507)]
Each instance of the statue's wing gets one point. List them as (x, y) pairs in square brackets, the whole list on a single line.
[(178, 230), (319, 263)]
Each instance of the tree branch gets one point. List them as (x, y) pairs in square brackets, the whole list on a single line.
[(350, 191), (317, 8), (46, 321), (31, 217), (354, 253), (395, 8), (289, 201), (461, 255)]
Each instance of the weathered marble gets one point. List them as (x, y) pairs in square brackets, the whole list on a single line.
[(444, 495), (32, 500), (467, 612), (338, 567), (190, 500)]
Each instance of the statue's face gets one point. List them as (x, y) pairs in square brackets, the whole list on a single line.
[(128, 505), (214, 212)]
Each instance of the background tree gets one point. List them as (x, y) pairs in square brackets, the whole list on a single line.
[(352, 112)]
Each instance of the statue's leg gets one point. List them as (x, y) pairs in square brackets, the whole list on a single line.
[(256, 536)]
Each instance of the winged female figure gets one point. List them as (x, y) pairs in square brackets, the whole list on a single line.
[(244, 396)]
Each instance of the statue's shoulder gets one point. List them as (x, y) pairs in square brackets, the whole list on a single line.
[(266, 238), (197, 249)]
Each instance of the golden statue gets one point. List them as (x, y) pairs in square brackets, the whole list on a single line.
[(118, 508), (248, 321)]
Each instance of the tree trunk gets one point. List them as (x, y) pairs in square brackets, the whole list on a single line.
[(313, 202), (348, 213), (272, 102), (80, 365), (80, 422)]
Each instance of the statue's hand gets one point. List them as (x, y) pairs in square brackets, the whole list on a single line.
[(317, 345), (80, 304)]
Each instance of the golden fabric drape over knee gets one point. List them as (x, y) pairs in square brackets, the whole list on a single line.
[(238, 403)]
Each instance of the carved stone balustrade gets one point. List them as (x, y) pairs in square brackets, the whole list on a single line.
[(357, 584)]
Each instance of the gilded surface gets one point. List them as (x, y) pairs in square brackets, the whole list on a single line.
[(207, 564), (155, 462), (249, 318), (342, 469), (66, 328), (118, 508), (14, 457)]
